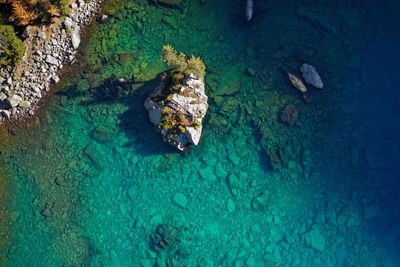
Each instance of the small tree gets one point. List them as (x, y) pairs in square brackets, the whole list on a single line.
[(11, 48), (182, 63)]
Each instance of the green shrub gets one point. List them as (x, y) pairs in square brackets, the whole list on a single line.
[(63, 6), (11, 48), (182, 63)]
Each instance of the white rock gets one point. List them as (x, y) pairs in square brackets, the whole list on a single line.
[(104, 18), (68, 23), (55, 78), (190, 101), (311, 76), (2, 96), (76, 38), (51, 60), (14, 100), (25, 104), (42, 34)]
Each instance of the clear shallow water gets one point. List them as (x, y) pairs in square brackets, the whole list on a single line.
[(91, 183)]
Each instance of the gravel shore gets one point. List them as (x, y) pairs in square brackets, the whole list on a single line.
[(49, 48)]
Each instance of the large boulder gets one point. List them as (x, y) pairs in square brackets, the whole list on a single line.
[(177, 108), (311, 76)]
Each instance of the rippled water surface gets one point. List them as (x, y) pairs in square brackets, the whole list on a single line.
[(90, 183)]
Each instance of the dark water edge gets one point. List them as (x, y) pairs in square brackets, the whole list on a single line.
[(91, 183)]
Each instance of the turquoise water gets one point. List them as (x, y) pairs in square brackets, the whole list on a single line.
[(90, 183)]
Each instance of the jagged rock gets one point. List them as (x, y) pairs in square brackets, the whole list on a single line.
[(178, 110), (260, 202), (315, 239), (180, 200), (3, 96), (311, 76), (68, 23), (14, 100), (51, 60), (25, 104), (55, 78), (75, 38), (42, 34)]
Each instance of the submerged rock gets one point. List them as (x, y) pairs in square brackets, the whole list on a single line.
[(297, 83), (311, 76), (289, 114), (177, 108), (180, 200), (315, 239)]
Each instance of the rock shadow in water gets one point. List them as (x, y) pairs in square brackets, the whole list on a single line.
[(135, 123)]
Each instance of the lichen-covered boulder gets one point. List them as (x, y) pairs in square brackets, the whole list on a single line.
[(177, 108)]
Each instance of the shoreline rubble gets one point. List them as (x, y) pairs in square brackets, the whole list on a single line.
[(49, 49)]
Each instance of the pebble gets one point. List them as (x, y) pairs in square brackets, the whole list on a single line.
[(55, 78), (59, 180), (25, 104), (234, 158), (46, 212), (250, 71), (230, 206), (233, 181), (315, 239), (260, 202), (51, 60), (180, 200)]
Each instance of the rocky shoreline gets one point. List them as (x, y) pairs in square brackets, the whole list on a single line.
[(49, 48)]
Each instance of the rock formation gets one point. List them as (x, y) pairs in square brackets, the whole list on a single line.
[(177, 108), (178, 105)]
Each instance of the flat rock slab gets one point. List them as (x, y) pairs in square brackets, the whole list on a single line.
[(315, 239), (180, 200)]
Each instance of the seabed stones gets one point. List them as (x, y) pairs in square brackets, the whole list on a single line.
[(315, 239)]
